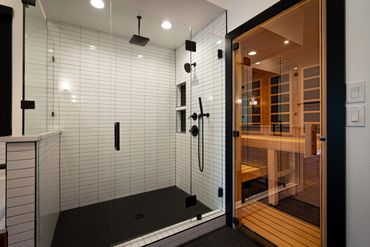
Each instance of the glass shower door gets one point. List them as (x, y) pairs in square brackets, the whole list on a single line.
[(278, 112)]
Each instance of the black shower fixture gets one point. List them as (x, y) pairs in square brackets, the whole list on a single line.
[(201, 135), (137, 39), (220, 53), (190, 45), (187, 67)]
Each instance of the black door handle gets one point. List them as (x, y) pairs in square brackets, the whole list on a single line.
[(117, 143)]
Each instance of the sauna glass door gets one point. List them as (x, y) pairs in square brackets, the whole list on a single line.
[(278, 113)]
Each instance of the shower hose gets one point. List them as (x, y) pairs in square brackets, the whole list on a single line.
[(201, 160)]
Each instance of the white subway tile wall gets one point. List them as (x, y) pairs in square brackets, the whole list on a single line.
[(2, 152), (20, 195), (208, 82), (36, 73), (47, 184), (98, 80)]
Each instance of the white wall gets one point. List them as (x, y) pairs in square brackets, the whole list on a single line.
[(208, 82), (358, 139), (17, 63), (240, 11), (97, 86)]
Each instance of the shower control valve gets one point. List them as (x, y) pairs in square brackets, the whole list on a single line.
[(194, 116), (194, 130)]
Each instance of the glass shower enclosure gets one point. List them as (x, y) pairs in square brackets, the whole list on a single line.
[(128, 165)]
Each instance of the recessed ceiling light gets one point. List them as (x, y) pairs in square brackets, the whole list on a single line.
[(252, 53), (257, 63), (219, 42), (166, 25), (99, 4), (286, 42)]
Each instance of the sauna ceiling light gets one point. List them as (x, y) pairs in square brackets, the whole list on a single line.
[(166, 25), (286, 42), (295, 68), (257, 63), (140, 56), (219, 42), (99, 4), (252, 53), (92, 47)]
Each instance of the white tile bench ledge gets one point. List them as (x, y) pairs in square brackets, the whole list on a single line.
[(30, 138)]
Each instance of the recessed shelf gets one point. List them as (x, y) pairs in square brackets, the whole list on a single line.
[(181, 121), (181, 95)]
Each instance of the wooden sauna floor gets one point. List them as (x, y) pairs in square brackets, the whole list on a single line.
[(278, 227)]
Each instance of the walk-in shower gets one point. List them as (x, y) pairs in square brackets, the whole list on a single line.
[(127, 161)]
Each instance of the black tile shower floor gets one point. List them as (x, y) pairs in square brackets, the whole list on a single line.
[(107, 223)]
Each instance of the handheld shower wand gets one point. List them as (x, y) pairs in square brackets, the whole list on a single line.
[(201, 129)]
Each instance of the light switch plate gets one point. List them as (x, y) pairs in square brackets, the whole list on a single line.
[(356, 116), (356, 92)]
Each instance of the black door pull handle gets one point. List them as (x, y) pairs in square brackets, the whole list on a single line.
[(117, 143)]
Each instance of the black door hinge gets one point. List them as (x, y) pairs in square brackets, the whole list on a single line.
[(235, 46), (190, 45), (27, 104), (220, 53), (53, 59), (236, 221), (29, 2), (220, 192), (235, 133)]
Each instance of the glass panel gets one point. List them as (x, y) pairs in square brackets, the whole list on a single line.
[(277, 110), (103, 90), (82, 104), (36, 85), (207, 95)]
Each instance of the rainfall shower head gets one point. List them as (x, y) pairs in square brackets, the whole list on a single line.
[(137, 39), (187, 67)]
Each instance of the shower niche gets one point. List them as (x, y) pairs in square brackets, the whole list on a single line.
[(181, 95), (181, 108)]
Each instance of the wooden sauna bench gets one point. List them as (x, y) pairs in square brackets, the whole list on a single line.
[(279, 227), (278, 143), (252, 171), (273, 145)]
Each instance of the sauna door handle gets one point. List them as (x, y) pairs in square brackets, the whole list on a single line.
[(310, 140), (117, 144)]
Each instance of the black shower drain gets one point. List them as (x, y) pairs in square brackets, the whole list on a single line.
[(139, 216)]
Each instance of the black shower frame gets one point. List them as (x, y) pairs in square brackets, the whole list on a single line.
[(336, 114)]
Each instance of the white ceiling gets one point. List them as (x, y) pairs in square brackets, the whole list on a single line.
[(182, 14)]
